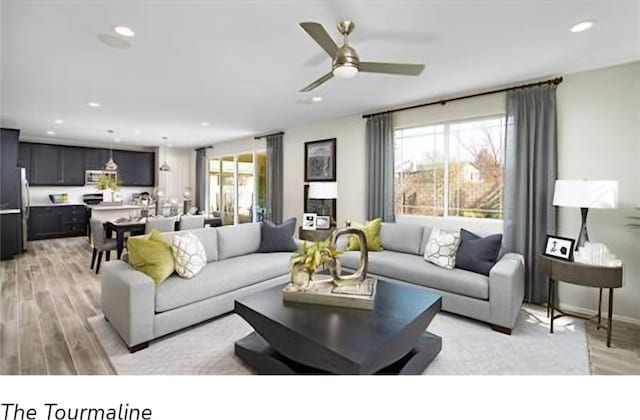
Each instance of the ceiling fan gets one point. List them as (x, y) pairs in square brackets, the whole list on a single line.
[(345, 60)]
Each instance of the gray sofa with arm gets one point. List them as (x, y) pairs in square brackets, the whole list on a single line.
[(495, 299), (140, 312)]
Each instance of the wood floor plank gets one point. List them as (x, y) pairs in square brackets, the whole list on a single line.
[(9, 359), (32, 358), (55, 346)]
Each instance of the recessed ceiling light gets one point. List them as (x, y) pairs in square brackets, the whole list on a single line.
[(316, 99), (124, 31), (169, 145), (582, 26), (58, 121), (117, 139), (137, 131), (51, 133), (94, 104), (204, 124)]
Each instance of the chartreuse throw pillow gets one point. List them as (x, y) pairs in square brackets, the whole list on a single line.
[(371, 233), (152, 256)]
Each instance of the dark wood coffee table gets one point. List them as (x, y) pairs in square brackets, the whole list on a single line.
[(301, 338)]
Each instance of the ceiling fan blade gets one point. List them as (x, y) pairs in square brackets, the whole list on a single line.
[(317, 83), (391, 68), (320, 35)]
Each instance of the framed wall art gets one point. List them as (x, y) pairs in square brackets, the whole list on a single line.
[(320, 160)]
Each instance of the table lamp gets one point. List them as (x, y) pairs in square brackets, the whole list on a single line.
[(585, 195), (323, 191)]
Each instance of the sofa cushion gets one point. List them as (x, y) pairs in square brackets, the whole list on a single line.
[(442, 248), (402, 237), (371, 234), (238, 240), (188, 254), (221, 277), (151, 255), (476, 253), (208, 237), (278, 238), (414, 269)]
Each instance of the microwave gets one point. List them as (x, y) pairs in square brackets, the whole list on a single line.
[(91, 177)]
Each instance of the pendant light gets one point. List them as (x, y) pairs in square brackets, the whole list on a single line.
[(165, 166), (111, 165)]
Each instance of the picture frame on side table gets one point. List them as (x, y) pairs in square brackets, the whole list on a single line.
[(323, 222), (320, 160), (559, 247), (309, 221)]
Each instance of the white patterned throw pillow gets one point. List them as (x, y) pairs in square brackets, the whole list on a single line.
[(442, 247), (188, 254)]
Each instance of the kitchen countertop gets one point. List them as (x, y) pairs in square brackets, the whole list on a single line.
[(107, 207), (54, 204)]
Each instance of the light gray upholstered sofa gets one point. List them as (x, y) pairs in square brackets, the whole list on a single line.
[(140, 312), (495, 299)]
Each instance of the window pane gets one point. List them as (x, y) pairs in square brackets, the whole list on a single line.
[(476, 162), (419, 170), (245, 188)]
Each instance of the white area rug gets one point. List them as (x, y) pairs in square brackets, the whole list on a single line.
[(468, 348)]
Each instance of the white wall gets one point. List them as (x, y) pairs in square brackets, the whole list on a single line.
[(599, 138), (182, 174)]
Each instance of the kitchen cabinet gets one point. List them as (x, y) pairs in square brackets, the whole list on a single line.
[(73, 167), (45, 164), (135, 168), (9, 172), (94, 159), (11, 238), (57, 221), (50, 165)]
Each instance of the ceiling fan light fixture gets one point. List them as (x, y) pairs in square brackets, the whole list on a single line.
[(345, 72)]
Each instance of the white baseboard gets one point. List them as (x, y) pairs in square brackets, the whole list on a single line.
[(591, 312)]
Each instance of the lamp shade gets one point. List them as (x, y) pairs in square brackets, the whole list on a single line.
[(586, 194), (323, 190)]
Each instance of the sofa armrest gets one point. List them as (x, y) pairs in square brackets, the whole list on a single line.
[(506, 289), (128, 302)]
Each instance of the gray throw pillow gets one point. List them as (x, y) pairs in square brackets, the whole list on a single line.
[(476, 253), (278, 238)]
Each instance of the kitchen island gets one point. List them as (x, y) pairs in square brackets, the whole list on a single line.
[(110, 212)]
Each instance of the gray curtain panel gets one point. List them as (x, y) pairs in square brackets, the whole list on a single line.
[(380, 166), (201, 179), (531, 167), (275, 180)]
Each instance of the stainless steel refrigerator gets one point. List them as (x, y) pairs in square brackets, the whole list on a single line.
[(24, 207)]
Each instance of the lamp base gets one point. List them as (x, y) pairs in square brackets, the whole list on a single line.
[(584, 234)]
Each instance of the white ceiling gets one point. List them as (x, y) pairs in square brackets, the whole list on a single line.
[(239, 64)]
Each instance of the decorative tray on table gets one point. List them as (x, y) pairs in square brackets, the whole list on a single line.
[(322, 291)]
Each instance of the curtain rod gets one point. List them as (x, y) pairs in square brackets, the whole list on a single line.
[(267, 135), (555, 81)]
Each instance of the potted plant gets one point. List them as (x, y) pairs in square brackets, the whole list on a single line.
[(310, 259), (108, 184)]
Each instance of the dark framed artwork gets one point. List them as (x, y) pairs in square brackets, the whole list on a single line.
[(320, 160), (559, 247), (322, 207)]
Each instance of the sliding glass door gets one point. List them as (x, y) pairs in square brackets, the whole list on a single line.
[(237, 187)]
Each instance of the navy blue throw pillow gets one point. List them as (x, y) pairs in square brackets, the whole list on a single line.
[(476, 253), (278, 238)]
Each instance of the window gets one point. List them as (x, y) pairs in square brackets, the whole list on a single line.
[(237, 187), (450, 169)]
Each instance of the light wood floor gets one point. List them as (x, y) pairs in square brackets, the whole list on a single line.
[(48, 293)]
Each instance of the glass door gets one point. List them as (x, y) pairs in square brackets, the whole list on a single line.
[(237, 187)]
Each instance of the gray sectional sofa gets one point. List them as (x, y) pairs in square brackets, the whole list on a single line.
[(495, 299), (140, 312)]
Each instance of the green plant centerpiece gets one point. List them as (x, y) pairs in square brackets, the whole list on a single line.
[(311, 259), (108, 183)]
